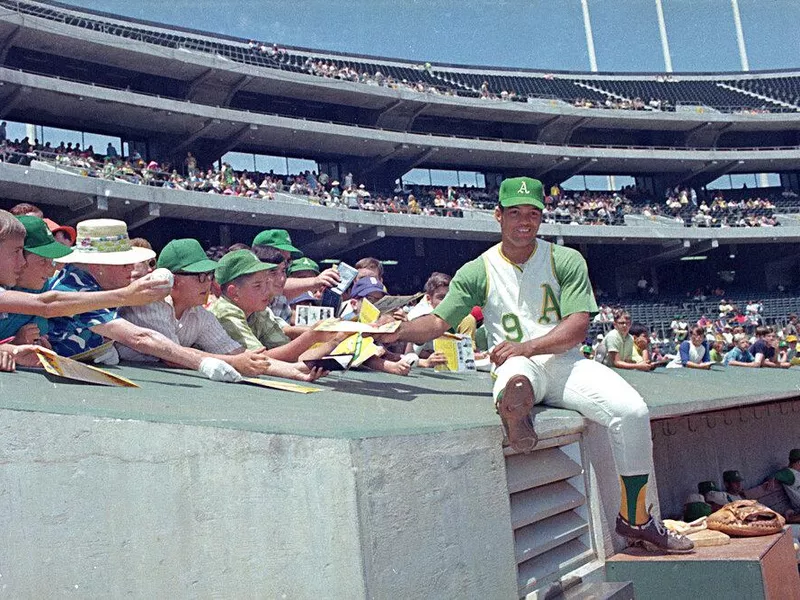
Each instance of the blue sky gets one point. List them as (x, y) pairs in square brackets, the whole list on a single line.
[(538, 34)]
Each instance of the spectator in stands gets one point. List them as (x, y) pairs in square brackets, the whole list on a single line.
[(279, 239), (111, 151), (372, 289), (716, 352), (369, 267), (182, 318), (23, 208), (693, 353), (64, 234), (680, 328), (641, 344), (247, 286), (3, 126), (436, 288), (619, 345), (764, 349), (740, 355), (104, 260), (15, 234), (146, 266)]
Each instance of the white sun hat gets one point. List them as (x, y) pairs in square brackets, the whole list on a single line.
[(105, 242)]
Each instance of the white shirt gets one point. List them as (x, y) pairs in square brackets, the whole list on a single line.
[(197, 328)]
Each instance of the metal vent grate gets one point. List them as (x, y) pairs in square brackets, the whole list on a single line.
[(548, 512)]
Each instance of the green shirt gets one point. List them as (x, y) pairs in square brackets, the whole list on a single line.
[(260, 330), (622, 346)]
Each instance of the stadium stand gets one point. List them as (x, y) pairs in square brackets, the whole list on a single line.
[(652, 92)]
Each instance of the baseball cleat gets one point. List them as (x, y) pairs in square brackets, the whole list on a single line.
[(653, 536), (514, 407)]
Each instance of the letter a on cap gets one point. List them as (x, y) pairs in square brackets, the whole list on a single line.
[(523, 188)]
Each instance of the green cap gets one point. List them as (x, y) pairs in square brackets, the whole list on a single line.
[(695, 510), (707, 486), (794, 455), (237, 263), (277, 238), (732, 476), (185, 256), (302, 264), (39, 239), (521, 190)]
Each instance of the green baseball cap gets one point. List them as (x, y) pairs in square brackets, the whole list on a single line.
[(39, 239), (185, 256), (695, 510), (707, 486), (237, 263), (302, 264), (732, 476), (277, 238), (521, 190), (794, 455)]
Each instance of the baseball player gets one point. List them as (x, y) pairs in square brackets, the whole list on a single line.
[(537, 302)]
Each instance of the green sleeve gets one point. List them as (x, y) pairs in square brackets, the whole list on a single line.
[(573, 277), (467, 290), (785, 476), (235, 325)]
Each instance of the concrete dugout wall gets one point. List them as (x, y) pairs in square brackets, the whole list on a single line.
[(98, 507)]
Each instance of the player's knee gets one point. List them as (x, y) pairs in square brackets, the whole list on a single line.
[(637, 409)]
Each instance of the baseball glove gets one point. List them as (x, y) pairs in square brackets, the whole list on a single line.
[(746, 518)]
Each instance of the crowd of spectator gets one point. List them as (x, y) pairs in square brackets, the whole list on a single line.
[(682, 205), (733, 337), (624, 104)]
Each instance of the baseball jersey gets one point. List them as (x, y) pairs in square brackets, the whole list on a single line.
[(520, 302)]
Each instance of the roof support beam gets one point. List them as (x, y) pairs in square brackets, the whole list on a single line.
[(7, 42), (143, 214), (338, 240)]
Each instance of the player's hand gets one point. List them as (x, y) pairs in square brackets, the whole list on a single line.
[(399, 315), (327, 279), (505, 350), (145, 291), (251, 363), (387, 338), (27, 334)]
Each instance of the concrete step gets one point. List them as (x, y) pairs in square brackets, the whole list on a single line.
[(619, 590), (533, 574)]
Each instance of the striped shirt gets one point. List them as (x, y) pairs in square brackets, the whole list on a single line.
[(197, 328)]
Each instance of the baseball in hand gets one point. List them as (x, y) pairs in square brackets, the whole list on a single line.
[(161, 275)]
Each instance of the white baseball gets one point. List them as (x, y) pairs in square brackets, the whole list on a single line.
[(164, 275)]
